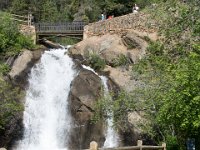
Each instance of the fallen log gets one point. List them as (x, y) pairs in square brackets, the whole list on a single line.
[(49, 44)]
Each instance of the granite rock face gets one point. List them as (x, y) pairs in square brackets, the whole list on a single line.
[(84, 94), (22, 66), (113, 48), (130, 44)]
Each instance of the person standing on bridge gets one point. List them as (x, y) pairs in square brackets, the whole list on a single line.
[(135, 8), (102, 16)]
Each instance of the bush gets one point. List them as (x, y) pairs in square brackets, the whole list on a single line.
[(117, 106), (170, 72), (172, 143), (11, 40), (4, 69), (9, 105), (96, 62), (122, 60)]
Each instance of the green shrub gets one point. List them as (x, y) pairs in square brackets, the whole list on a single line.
[(156, 48), (170, 71), (114, 106), (9, 102), (172, 143), (96, 62), (122, 60), (11, 40), (4, 69)]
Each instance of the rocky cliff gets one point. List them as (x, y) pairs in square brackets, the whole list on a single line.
[(119, 50), (85, 92)]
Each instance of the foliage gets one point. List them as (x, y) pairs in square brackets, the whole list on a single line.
[(122, 60), (9, 104), (20, 6), (183, 97), (11, 43), (4, 69), (96, 62), (69, 10), (169, 77), (170, 72), (5, 4), (103, 107), (11, 40), (114, 106), (49, 12), (172, 143)]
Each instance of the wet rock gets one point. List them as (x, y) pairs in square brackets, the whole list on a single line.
[(22, 66), (84, 94)]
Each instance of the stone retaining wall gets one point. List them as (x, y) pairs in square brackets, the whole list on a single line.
[(138, 21), (29, 31)]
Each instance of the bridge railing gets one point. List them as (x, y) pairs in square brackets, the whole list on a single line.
[(64, 27), (94, 146), (21, 19), (24, 20)]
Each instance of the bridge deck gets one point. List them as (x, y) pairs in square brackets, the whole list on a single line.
[(64, 28)]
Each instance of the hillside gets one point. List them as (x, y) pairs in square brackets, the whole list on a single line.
[(156, 78), (168, 73)]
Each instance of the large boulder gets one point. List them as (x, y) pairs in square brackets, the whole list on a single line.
[(22, 66), (122, 77), (115, 49), (84, 94), (110, 47), (136, 46)]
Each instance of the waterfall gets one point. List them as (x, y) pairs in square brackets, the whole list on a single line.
[(112, 137), (46, 115)]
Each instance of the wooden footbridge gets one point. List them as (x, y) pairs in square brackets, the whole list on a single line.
[(75, 28), (45, 29)]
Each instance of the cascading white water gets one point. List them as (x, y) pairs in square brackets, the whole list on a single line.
[(46, 117), (112, 138)]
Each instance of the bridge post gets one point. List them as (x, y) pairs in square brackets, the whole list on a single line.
[(30, 19), (139, 143), (85, 32), (93, 145), (164, 146)]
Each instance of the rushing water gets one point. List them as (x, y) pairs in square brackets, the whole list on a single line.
[(46, 117), (112, 137)]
